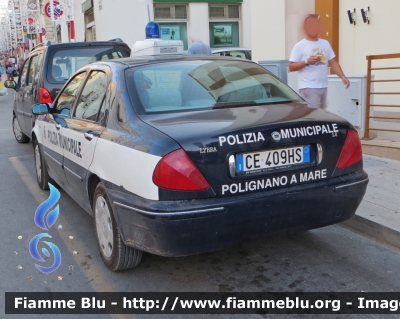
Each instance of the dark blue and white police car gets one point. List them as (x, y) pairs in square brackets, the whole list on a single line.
[(177, 155)]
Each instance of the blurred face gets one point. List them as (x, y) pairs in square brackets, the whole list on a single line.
[(312, 26)]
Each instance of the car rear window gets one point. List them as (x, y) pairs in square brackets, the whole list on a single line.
[(195, 85), (64, 62)]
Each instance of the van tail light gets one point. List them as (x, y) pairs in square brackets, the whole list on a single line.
[(351, 151), (176, 171), (44, 96)]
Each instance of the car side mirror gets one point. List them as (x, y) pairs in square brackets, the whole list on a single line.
[(10, 84), (40, 109)]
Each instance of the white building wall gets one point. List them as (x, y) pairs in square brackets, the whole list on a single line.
[(268, 29), (122, 19), (127, 20), (379, 37), (198, 22), (245, 27), (276, 26), (79, 21), (64, 32), (116, 19), (296, 11)]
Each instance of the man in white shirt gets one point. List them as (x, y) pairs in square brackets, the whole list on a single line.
[(311, 57)]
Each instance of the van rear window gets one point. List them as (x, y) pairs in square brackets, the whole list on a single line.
[(65, 62)]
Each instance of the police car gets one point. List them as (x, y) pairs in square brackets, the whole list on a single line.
[(177, 155)]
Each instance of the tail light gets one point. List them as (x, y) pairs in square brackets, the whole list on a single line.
[(44, 96), (176, 171), (351, 151)]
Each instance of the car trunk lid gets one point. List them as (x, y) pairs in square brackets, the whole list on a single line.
[(218, 140)]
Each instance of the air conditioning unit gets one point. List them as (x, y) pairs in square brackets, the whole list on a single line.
[(162, 12), (348, 103), (217, 12), (168, 12), (224, 11)]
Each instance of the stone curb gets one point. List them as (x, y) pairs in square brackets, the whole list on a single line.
[(373, 230)]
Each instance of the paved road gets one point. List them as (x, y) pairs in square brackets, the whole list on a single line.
[(328, 259)]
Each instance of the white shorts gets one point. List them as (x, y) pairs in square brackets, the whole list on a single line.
[(316, 98)]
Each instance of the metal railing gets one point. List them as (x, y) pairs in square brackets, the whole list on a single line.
[(368, 115)]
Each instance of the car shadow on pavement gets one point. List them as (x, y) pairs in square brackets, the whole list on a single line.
[(326, 259)]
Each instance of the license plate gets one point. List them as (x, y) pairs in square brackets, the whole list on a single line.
[(273, 159)]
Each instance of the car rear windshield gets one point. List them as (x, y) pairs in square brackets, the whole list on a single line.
[(195, 85), (64, 62)]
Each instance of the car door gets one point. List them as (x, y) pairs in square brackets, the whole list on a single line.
[(32, 85), (20, 97), (82, 131), (54, 127), (29, 94)]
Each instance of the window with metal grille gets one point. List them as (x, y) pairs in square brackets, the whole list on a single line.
[(217, 12), (170, 12), (233, 12), (162, 13), (180, 12), (222, 11), (89, 16)]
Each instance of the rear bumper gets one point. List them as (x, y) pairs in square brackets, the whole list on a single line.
[(178, 228)]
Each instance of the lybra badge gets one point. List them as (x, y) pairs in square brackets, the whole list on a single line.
[(276, 136)]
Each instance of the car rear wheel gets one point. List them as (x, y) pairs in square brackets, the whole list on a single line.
[(19, 136), (42, 174), (114, 253)]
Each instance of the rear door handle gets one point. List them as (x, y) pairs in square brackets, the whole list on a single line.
[(89, 136), (58, 126)]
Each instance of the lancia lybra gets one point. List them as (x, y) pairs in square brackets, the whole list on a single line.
[(179, 155)]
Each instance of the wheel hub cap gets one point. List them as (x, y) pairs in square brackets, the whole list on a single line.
[(38, 163), (104, 227), (17, 130)]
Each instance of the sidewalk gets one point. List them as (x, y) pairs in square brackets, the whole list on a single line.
[(385, 144), (378, 216)]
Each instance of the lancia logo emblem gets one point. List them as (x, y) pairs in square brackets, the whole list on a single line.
[(276, 136)]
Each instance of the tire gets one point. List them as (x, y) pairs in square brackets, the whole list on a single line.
[(42, 174), (114, 253), (19, 136)]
